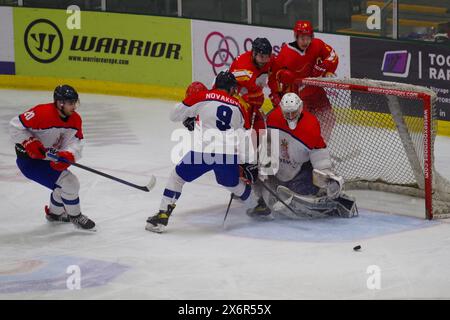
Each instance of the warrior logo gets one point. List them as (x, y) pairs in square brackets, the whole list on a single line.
[(43, 41)]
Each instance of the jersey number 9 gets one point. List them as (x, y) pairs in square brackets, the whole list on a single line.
[(224, 114)]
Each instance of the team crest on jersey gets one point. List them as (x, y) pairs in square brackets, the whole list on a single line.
[(58, 143), (284, 148)]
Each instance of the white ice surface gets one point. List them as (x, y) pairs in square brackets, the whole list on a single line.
[(197, 258)]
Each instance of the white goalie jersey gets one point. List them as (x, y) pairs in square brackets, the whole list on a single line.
[(298, 146)]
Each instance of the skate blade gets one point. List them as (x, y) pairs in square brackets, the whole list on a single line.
[(94, 229), (268, 217), (55, 222), (157, 229)]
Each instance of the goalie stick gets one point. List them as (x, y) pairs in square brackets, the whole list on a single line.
[(273, 193), (50, 155)]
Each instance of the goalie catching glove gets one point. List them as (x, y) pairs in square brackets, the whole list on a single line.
[(327, 180)]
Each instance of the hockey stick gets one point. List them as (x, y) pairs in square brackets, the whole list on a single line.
[(232, 194), (273, 193), (50, 155), (145, 188), (228, 209)]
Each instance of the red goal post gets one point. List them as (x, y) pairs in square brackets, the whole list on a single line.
[(382, 123)]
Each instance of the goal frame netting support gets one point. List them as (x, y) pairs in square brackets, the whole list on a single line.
[(430, 185)]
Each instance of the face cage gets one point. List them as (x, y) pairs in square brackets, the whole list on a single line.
[(291, 115)]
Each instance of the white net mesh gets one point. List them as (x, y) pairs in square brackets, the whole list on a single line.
[(375, 133)]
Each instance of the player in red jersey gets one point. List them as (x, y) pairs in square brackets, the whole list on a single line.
[(304, 172), (56, 126), (251, 70), (305, 57)]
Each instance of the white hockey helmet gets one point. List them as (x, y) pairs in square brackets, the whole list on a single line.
[(291, 106)]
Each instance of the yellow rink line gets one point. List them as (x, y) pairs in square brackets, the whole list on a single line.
[(93, 86), (347, 116)]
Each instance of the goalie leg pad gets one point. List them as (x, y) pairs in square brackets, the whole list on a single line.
[(305, 206), (346, 206), (312, 206)]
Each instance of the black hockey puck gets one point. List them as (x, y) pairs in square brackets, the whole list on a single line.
[(357, 248)]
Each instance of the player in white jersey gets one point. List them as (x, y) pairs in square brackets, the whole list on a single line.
[(304, 176), (219, 112), (53, 126)]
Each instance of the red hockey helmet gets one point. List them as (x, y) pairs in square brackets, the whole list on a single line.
[(194, 88), (303, 27)]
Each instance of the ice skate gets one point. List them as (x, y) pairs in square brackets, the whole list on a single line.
[(261, 211), (158, 222), (54, 218), (83, 222)]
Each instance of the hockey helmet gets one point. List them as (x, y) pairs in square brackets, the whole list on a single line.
[(291, 106), (303, 27), (225, 80), (64, 93), (262, 46), (194, 88)]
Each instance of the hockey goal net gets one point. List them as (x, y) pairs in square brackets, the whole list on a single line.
[(381, 137)]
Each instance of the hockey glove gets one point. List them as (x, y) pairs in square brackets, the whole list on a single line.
[(189, 123), (275, 98), (254, 99), (319, 70), (250, 171), (60, 165), (286, 77), (34, 148)]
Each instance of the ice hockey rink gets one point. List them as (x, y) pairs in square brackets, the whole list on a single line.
[(402, 255)]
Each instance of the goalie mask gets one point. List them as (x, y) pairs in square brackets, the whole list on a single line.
[(291, 106)]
